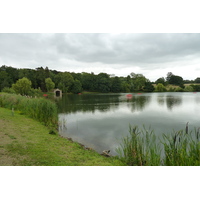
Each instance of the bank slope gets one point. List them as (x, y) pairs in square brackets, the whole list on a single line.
[(26, 142)]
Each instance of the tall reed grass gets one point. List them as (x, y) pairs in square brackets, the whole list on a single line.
[(40, 109), (143, 148)]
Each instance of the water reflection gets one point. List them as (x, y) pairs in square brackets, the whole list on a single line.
[(161, 100), (173, 101), (103, 103), (138, 103)]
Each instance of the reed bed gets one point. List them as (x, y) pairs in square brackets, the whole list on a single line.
[(41, 109), (143, 148)]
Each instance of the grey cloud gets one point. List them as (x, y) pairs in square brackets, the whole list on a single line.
[(127, 48), (82, 52)]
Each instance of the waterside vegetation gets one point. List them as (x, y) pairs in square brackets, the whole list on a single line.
[(143, 148), (41, 109)]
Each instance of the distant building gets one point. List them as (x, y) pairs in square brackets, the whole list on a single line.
[(57, 93)]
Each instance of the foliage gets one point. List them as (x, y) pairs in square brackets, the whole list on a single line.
[(188, 88), (40, 109), (90, 82), (8, 90), (142, 147), (22, 86), (76, 87), (148, 87), (161, 80), (138, 81), (115, 84), (196, 88), (49, 84), (64, 81), (179, 89), (197, 80), (160, 88)]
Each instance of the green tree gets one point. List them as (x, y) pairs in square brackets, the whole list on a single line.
[(115, 84), (148, 87), (160, 88), (49, 84), (76, 87), (176, 80), (138, 81), (169, 75), (161, 80), (4, 80), (22, 86), (188, 88), (64, 80), (104, 83), (197, 80)]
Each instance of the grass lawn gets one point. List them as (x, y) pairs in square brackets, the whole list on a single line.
[(26, 142)]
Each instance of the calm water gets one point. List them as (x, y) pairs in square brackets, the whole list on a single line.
[(99, 121)]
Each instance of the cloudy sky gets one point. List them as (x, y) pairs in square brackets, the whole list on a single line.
[(152, 55)]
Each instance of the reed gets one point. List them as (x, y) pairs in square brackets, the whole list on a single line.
[(143, 148), (41, 109)]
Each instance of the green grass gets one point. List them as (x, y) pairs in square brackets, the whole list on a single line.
[(143, 148), (26, 142), (41, 109)]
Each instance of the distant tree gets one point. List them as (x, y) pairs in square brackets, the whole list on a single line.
[(160, 88), (188, 88), (89, 81), (148, 87), (103, 81), (4, 80), (138, 81), (64, 80), (161, 80), (49, 84), (76, 87), (115, 84), (196, 88), (197, 80), (176, 80), (22, 86), (126, 87), (169, 75)]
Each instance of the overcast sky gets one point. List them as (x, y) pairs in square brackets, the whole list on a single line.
[(153, 55)]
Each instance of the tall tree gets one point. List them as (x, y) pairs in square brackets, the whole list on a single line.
[(22, 86), (49, 84), (64, 81)]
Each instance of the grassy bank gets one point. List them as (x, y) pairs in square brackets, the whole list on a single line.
[(41, 109), (26, 142), (143, 148)]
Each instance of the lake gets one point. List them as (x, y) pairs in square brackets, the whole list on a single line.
[(99, 121)]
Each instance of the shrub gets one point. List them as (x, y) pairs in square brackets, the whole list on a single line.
[(40, 109), (160, 88), (8, 90)]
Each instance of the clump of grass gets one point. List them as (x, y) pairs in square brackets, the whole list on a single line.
[(143, 147), (140, 148), (40, 109)]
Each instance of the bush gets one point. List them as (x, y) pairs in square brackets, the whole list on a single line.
[(160, 88), (40, 109), (8, 90), (188, 88)]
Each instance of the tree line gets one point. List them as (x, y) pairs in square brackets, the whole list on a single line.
[(45, 80)]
